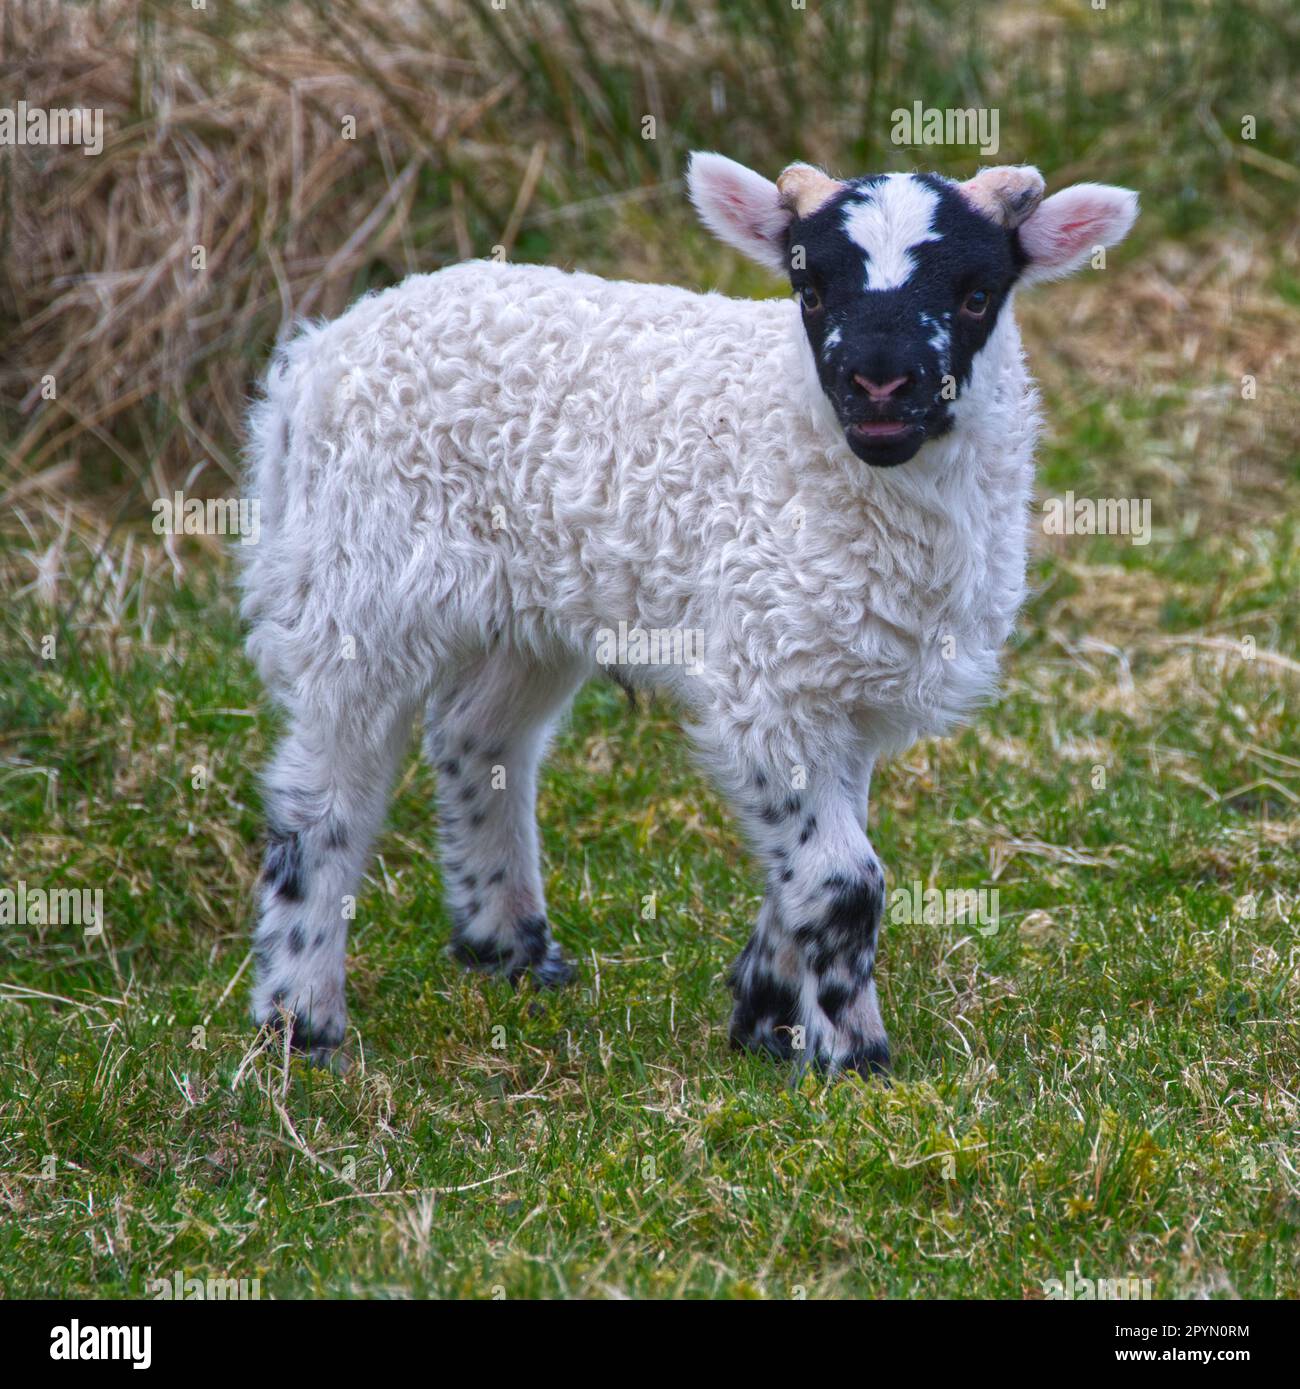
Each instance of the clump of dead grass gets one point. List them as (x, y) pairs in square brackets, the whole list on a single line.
[(269, 164), (313, 151)]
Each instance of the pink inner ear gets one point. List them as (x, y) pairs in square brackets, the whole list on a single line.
[(749, 213), (739, 206), (1073, 222), (1051, 241)]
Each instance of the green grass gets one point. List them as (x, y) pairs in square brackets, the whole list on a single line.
[(1106, 1082)]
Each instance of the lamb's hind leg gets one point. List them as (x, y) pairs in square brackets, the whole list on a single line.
[(487, 734), (325, 794), (805, 983)]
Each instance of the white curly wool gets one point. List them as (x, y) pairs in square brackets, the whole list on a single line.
[(482, 485), (512, 449)]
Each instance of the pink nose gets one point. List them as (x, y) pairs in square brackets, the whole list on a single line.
[(881, 392)]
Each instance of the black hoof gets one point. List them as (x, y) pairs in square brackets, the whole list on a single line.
[(318, 1045), (538, 958), (554, 972), (775, 1042), (870, 1060)]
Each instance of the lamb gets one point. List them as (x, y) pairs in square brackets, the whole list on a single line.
[(470, 481)]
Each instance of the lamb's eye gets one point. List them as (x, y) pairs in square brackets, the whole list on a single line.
[(976, 303), (811, 300)]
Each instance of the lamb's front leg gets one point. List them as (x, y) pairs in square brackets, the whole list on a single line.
[(805, 983)]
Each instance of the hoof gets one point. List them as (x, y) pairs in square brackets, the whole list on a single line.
[(553, 972), (321, 1045), (872, 1059), (776, 1043), (532, 955)]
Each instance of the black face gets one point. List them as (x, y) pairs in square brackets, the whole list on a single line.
[(900, 283)]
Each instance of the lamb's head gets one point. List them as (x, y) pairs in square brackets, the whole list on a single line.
[(902, 279)]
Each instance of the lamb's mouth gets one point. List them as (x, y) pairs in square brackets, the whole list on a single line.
[(885, 443), (871, 430)]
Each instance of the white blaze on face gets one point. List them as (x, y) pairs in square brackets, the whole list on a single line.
[(888, 219), (940, 337)]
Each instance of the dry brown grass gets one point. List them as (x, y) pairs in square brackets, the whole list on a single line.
[(230, 136), (477, 128), (1191, 322), (210, 143)]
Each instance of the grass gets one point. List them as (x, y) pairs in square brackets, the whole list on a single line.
[(1105, 1083)]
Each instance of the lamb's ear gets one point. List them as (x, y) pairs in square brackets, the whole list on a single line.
[(1066, 229), (739, 207)]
